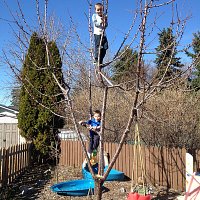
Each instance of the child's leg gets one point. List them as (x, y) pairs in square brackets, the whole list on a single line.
[(102, 55), (105, 43), (103, 49), (97, 39), (91, 144), (96, 142)]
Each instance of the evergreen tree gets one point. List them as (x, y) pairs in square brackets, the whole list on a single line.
[(196, 57), (15, 93), (36, 122), (167, 62), (124, 70)]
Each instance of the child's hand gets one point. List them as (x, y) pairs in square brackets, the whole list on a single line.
[(104, 20), (95, 128), (89, 127), (98, 128), (82, 123)]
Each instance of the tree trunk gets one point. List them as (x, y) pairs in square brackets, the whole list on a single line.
[(98, 189)]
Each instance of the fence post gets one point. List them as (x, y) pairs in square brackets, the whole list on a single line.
[(29, 151), (5, 166)]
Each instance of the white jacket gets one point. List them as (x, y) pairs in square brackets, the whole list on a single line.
[(98, 24)]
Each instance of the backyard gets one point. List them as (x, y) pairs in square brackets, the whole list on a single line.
[(37, 180)]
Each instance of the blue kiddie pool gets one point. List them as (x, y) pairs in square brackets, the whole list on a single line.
[(114, 174), (74, 188)]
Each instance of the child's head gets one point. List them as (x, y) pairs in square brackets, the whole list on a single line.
[(97, 115), (99, 9)]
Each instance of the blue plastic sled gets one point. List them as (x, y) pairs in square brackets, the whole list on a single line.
[(114, 174), (74, 188)]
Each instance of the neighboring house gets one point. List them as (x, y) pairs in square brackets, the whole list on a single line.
[(70, 135), (9, 132)]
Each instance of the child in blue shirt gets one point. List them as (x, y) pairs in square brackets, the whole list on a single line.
[(100, 40), (94, 126)]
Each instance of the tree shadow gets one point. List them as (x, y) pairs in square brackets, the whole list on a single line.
[(29, 184), (167, 195)]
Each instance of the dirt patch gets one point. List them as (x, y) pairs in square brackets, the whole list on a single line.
[(36, 183)]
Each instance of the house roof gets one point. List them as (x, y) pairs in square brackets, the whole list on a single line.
[(11, 109)]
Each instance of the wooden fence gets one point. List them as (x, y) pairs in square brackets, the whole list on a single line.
[(163, 166), (13, 161)]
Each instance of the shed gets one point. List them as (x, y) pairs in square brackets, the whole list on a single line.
[(9, 132)]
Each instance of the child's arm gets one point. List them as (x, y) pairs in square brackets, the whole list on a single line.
[(97, 23), (85, 123), (82, 123), (105, 21)]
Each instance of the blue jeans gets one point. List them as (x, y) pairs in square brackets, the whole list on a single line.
[(103, 47), (94, 143)]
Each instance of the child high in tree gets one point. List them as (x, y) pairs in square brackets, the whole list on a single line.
[(100, 40)]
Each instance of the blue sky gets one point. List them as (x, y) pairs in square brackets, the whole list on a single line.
[(120, 14)]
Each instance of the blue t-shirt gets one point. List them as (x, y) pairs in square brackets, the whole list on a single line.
[(92, 122)]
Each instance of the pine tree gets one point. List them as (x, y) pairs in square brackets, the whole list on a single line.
[(167, 62), (36, 122), (196, 58), (15, 93), (124, 70)]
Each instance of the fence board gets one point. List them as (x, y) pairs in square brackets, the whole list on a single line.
[(174, 167), (68, 152), (113, 150), (10, 164), (120, 158), (79, 153), (4, 175), (63, 147), (127, 161), (147, 164), (131, 175)]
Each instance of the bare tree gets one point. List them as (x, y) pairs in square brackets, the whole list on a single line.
[(143, 89)]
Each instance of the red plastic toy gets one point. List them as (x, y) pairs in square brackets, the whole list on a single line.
[(136, 196)]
